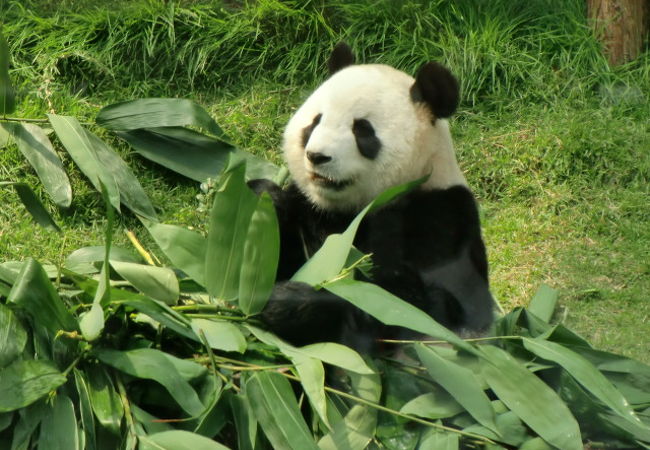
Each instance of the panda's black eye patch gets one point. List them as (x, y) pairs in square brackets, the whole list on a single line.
[(367, 141), (306, 132)]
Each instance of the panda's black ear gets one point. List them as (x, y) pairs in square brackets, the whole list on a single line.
[(438, 88), (341, 57)]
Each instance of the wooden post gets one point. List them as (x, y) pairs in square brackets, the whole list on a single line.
[(621, 25)]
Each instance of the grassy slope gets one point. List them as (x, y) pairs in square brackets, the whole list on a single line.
[(554, 143)]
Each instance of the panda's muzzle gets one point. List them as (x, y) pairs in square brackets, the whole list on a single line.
[(328, 183)]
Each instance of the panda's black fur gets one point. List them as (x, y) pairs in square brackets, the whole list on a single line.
[(426, 245)]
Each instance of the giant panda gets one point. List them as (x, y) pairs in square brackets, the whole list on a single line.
[(366, 128)]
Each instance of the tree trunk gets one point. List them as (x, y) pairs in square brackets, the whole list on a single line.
[(621, 26)]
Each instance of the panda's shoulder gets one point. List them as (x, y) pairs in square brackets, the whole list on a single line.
[(455, 201)]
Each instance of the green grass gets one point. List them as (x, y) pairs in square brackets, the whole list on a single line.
[(554, 142)]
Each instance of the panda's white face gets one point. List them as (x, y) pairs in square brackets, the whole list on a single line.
[(360, 133)]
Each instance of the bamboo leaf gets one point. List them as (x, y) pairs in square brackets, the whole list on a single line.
[(4, 289), (155, 365), (511, 428), (213, 419), (360, 422), (258, 167), (59, 429), (392, 310), (102, 166), (29, 419), (354, 432), (157, 112), (35, 294), (220, 334), (337, 355), (328, 261), (7, 96), (185, 249), (589, 377), (193, 154), (85, 409), (76, 141), (34, 144), (4, 135), (366, 386), (260, 257), (461, 383), (312, 378), (230, 216), (245, 421), (277, 411), (159, 283), (439, 440), (534, 402), (634, 432), (13, 336), (33, 205), (91, 322), (535, 444), (188, 370), (83, 260), (184, 151), (310, 368), (158, 311), (307, 361), (5, 420), (433, 405), (543, 303), (178, 440), (328, 352), (610, 362), (104, 400), (149, 423), (131, 193), (631, 377), (25, 381)]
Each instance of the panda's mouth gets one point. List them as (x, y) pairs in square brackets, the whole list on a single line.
[(328, 183)]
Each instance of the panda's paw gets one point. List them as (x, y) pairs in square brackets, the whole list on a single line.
[(303, 315), (261, 185), (278, 195)]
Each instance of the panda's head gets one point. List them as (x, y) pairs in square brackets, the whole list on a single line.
[(370, 127)]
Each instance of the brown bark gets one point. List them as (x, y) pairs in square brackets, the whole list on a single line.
[(621, 25)]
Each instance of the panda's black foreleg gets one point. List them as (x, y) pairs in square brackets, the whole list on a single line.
[(260, 185), (302, 315)]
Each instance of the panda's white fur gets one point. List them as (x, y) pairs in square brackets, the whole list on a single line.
[(413, 142)]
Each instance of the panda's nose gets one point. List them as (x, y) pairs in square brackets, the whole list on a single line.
[(318, 158)]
